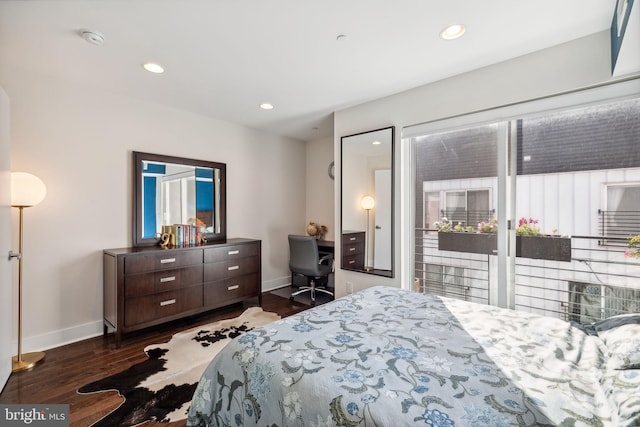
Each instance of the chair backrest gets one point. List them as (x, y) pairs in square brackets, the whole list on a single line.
[(303, 255)]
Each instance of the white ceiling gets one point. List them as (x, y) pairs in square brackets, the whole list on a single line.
[(225, 57)]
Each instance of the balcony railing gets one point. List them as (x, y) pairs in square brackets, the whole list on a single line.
[(615, 227), (467, 218), (597, 283)]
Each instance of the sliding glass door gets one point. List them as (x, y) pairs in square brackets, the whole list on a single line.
[(535, 211)]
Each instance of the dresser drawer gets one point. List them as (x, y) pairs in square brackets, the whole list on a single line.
[(161, 261), (230, 252), (217, 293), (152, 307), (231, 268), (162, 281)]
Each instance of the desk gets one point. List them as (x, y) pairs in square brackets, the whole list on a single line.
[(326, 247)]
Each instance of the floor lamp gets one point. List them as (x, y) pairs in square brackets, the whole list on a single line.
[(26, 190), (367, 204)]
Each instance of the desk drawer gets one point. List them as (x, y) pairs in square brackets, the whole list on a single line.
[(230, 252), (161, 261), (232, 268), (216, 293), (165, 304), (162, 281)]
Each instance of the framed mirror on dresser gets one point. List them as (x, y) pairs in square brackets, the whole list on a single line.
[(172, 190), (157, 280)]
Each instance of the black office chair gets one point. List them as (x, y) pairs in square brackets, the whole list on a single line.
[(304, 260)]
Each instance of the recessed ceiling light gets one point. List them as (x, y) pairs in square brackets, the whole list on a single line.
[(341, 37), (266, 106), (376, 142), (152, 67), (453, 32)]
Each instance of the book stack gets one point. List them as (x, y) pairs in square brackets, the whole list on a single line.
[(183, 234)]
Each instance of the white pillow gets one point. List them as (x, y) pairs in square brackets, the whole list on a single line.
[(621, 336)]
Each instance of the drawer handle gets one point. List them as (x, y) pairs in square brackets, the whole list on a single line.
[(233, 288), (352, 238), (233, 267), (167, 260), (352, 249), (234, 252), (167, 302), (167, 279), (352, 262)]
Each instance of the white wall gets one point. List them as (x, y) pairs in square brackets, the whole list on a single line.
[(79, 142), (569, 66), (6, 294), (319, 187)]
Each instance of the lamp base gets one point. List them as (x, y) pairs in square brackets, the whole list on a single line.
[(28, 361)]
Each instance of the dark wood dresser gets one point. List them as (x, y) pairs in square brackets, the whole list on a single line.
[(147, 286), (353, 250)]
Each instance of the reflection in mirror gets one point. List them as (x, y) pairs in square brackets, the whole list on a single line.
[(172, 191), (367, 202)]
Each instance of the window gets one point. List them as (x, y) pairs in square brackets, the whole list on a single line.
[(621, 218), (467, 207), (431, 208)]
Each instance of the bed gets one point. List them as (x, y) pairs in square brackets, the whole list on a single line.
[(389, 357)]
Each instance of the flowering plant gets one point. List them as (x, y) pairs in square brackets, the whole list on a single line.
[(490, 226), (445, 225), (634, 247), (461, 228), (527, 227)]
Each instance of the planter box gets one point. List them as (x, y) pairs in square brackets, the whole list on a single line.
[(544, 247), (536, 247), (477, 243)]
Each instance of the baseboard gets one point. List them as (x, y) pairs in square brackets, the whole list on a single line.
[(272, 285), (61, 337), (85, 331)]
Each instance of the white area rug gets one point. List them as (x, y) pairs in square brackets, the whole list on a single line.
[(161, 387)]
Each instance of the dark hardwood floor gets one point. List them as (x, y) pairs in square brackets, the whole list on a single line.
[(69, 367)]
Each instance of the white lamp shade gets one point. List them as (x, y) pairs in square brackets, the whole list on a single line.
[(26, 189), (367, 202)]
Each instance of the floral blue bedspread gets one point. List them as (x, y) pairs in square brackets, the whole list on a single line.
[(388, 357)]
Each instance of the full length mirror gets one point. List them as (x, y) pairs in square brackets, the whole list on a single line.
[(177, 191), (367, 202)]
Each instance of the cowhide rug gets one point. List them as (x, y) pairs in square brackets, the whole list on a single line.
[(161, 387)]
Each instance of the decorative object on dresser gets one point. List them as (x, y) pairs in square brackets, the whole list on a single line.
[(353, 250), (26, 191), (148, 286), (161, 387)]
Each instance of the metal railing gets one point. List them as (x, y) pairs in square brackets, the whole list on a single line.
[(467, 218), (615, 227), (597, 283), (462, 276)]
